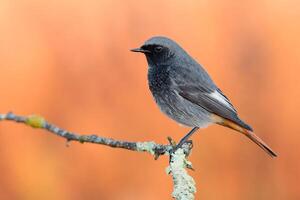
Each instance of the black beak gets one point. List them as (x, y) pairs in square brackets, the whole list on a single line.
[(140, 50)]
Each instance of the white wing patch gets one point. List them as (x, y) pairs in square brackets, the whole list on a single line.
[(222, 99)]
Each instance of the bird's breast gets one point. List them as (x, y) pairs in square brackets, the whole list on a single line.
[(158, 79)]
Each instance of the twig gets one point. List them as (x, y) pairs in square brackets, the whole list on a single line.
[(184, 185)]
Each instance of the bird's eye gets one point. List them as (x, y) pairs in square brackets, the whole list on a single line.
[(158, 49)]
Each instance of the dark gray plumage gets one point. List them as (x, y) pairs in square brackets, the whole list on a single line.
[(185, 92)]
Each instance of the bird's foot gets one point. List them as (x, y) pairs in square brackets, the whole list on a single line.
[(186, 146), (176, 146)]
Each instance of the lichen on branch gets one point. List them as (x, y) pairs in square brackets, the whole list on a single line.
[(184, 185)]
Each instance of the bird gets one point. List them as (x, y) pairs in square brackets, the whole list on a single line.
[(185, 92)]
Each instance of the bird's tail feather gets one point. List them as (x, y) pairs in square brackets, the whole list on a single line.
[(250, 135), (260, 143)]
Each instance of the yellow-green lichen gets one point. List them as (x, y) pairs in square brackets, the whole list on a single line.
[(146, 146), (35, 121), (82, 139), (184, 184)]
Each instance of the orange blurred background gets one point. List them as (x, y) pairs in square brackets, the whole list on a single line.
[(69, 61)]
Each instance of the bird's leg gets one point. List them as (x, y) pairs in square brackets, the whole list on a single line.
[(186, 137)]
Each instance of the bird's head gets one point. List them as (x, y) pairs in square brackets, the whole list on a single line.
[(159, 50)]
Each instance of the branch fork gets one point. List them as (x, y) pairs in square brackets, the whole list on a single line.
[(184, 185)]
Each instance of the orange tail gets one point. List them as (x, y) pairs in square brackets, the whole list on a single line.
[(260, 143), (250, 135)]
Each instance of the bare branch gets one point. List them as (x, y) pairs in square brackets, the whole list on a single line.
[(184, 185)]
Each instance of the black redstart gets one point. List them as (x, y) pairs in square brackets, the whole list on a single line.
[(185, 92)]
